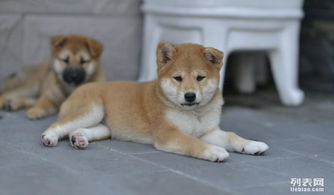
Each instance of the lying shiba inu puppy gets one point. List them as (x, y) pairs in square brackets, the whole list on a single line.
[(75, 61), (179, 112)]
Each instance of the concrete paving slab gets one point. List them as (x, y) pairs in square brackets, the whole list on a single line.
[(159, 182), (312, 147), (227, 175), (300, 141), (128, 147)]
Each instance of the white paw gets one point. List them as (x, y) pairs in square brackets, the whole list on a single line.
[(78, 139), (215, 153), (49, 139), (255, 147)]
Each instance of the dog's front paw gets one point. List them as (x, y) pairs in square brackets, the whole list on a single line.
[(78, 139), (35, 113), (49, 139), (255, 148), (215, 154)]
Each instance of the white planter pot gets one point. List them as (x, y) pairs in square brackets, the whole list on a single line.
[(230, 25)]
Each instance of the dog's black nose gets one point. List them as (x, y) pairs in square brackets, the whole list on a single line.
[(75, 76), (190, 97)]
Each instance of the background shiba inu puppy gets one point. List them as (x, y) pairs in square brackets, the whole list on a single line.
[(179, 112), (75, 60)]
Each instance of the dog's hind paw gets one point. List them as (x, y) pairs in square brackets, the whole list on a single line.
[(11, 105), (49, 139), (7, 105), (78, 139), (255, 148)]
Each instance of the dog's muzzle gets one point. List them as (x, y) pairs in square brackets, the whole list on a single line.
[(74, 76)]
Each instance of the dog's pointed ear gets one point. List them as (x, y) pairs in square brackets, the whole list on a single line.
[(165, 53), (94, 47), (57, 41), (214, 56)]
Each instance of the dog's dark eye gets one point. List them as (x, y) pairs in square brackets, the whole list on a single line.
[(199, 78), (83, 61), (178, 78), (66, 60)]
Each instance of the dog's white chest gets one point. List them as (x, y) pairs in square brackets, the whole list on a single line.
[(192, 123)]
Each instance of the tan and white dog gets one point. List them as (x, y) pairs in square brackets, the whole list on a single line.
[(75, 60), (179, 112)]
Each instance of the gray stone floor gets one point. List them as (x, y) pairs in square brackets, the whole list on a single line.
[(301, 141)]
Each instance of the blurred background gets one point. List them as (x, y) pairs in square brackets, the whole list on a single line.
[(25, 26), (316, 46)]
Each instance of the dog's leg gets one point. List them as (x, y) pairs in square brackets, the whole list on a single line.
[(10, 84), (78, 117), (172, 140), (44, 107), (18, 103), (233, 142), (79, 138), (17, 99)]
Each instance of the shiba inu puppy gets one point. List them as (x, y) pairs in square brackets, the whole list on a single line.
[(75, 60), (178, 112)]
